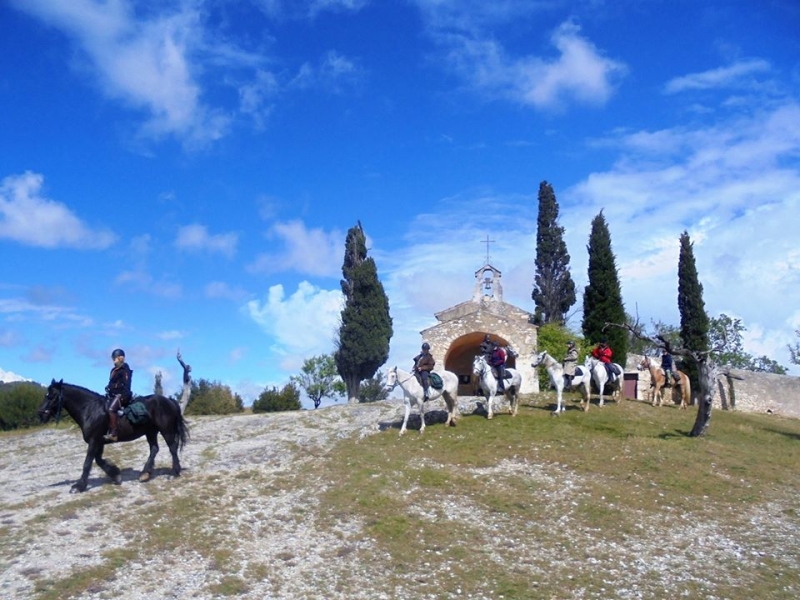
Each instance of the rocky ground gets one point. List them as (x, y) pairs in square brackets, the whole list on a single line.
[(277, 548)]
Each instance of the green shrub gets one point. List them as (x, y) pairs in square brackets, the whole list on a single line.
[(372, 389), (19, 402), (272, 400), (213, 398)]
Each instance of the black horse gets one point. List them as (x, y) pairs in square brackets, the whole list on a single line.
[(88, 410)]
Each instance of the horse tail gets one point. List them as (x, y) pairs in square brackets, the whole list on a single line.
[(181, 430), (686, 390), (166, 409)]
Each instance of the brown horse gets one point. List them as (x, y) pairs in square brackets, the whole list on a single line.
[(659, 384)]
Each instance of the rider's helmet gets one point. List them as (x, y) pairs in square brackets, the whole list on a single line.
[(118, 352), (604, 342), (426, 346), (487, 338), (570, 343)]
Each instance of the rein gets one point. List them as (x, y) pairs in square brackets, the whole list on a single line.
[(400, 383), (60, 405)]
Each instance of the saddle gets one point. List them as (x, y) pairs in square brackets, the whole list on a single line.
[(506, 374), (136, 413), (435, 380)]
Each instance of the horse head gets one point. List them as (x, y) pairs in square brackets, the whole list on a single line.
[(391, 380), (53, 402), (645, 364), (538, 358), (479, 365)]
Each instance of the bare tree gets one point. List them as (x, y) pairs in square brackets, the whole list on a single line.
[(187, 383)]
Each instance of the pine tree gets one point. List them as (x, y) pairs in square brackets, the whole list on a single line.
[(363, 344), (602, 297), (553, 290)]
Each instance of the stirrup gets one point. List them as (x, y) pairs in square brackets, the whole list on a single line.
[(111, 437)]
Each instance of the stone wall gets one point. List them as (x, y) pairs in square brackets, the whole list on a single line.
[(746, 391)]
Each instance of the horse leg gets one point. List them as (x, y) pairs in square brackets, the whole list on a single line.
[(172, 444), (91, 452), (147, 470), (559, 398), (451, 409), (405, 418), (110, 469), (421, 417), (489, 397)]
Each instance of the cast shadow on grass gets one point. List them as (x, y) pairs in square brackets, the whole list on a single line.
[(677, 433), (790, 434), (126, 474), (432, 417)]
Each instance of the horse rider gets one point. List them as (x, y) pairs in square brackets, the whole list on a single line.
[(423, 365), (118, 392), (569, 363), (603, 353), (487, 346), (668, 365), (498, 361)]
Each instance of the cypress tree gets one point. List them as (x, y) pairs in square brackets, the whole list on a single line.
[(694, 320), (553, 290), (602, 297), (363, 344)]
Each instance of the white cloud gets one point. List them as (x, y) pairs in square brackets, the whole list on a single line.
[(27, 217), (301, 325), (737, 74), (146, 63), (579, 74), (307, 251), (196, 238), (333, 73), (732, 187), (9, 376)]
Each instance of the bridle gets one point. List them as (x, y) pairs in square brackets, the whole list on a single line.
[(484, 366), (397, 382), (540, 358), (59, 405)]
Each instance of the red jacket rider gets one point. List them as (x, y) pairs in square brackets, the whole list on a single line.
[(602, 352)]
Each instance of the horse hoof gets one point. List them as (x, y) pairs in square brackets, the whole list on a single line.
[(117, 479), (144, 477)]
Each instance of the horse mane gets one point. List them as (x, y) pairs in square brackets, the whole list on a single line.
[(82, 389)]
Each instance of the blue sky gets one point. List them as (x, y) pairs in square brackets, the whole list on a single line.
[(182, 174)]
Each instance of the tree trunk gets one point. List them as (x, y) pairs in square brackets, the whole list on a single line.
[(184, 401), (353, 384), (706, 377)]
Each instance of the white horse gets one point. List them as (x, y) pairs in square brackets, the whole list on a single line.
[(600, 377), (414, 394), (582, 379), (556, 372), (489, 385)]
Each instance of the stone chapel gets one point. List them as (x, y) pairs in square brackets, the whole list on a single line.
[(456, 339)]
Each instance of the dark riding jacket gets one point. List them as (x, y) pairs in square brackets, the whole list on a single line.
[(424, 362), (119, 383)]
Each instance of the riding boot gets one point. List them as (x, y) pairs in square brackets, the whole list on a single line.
[(112, 434), (425, 395), (567, 382)]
